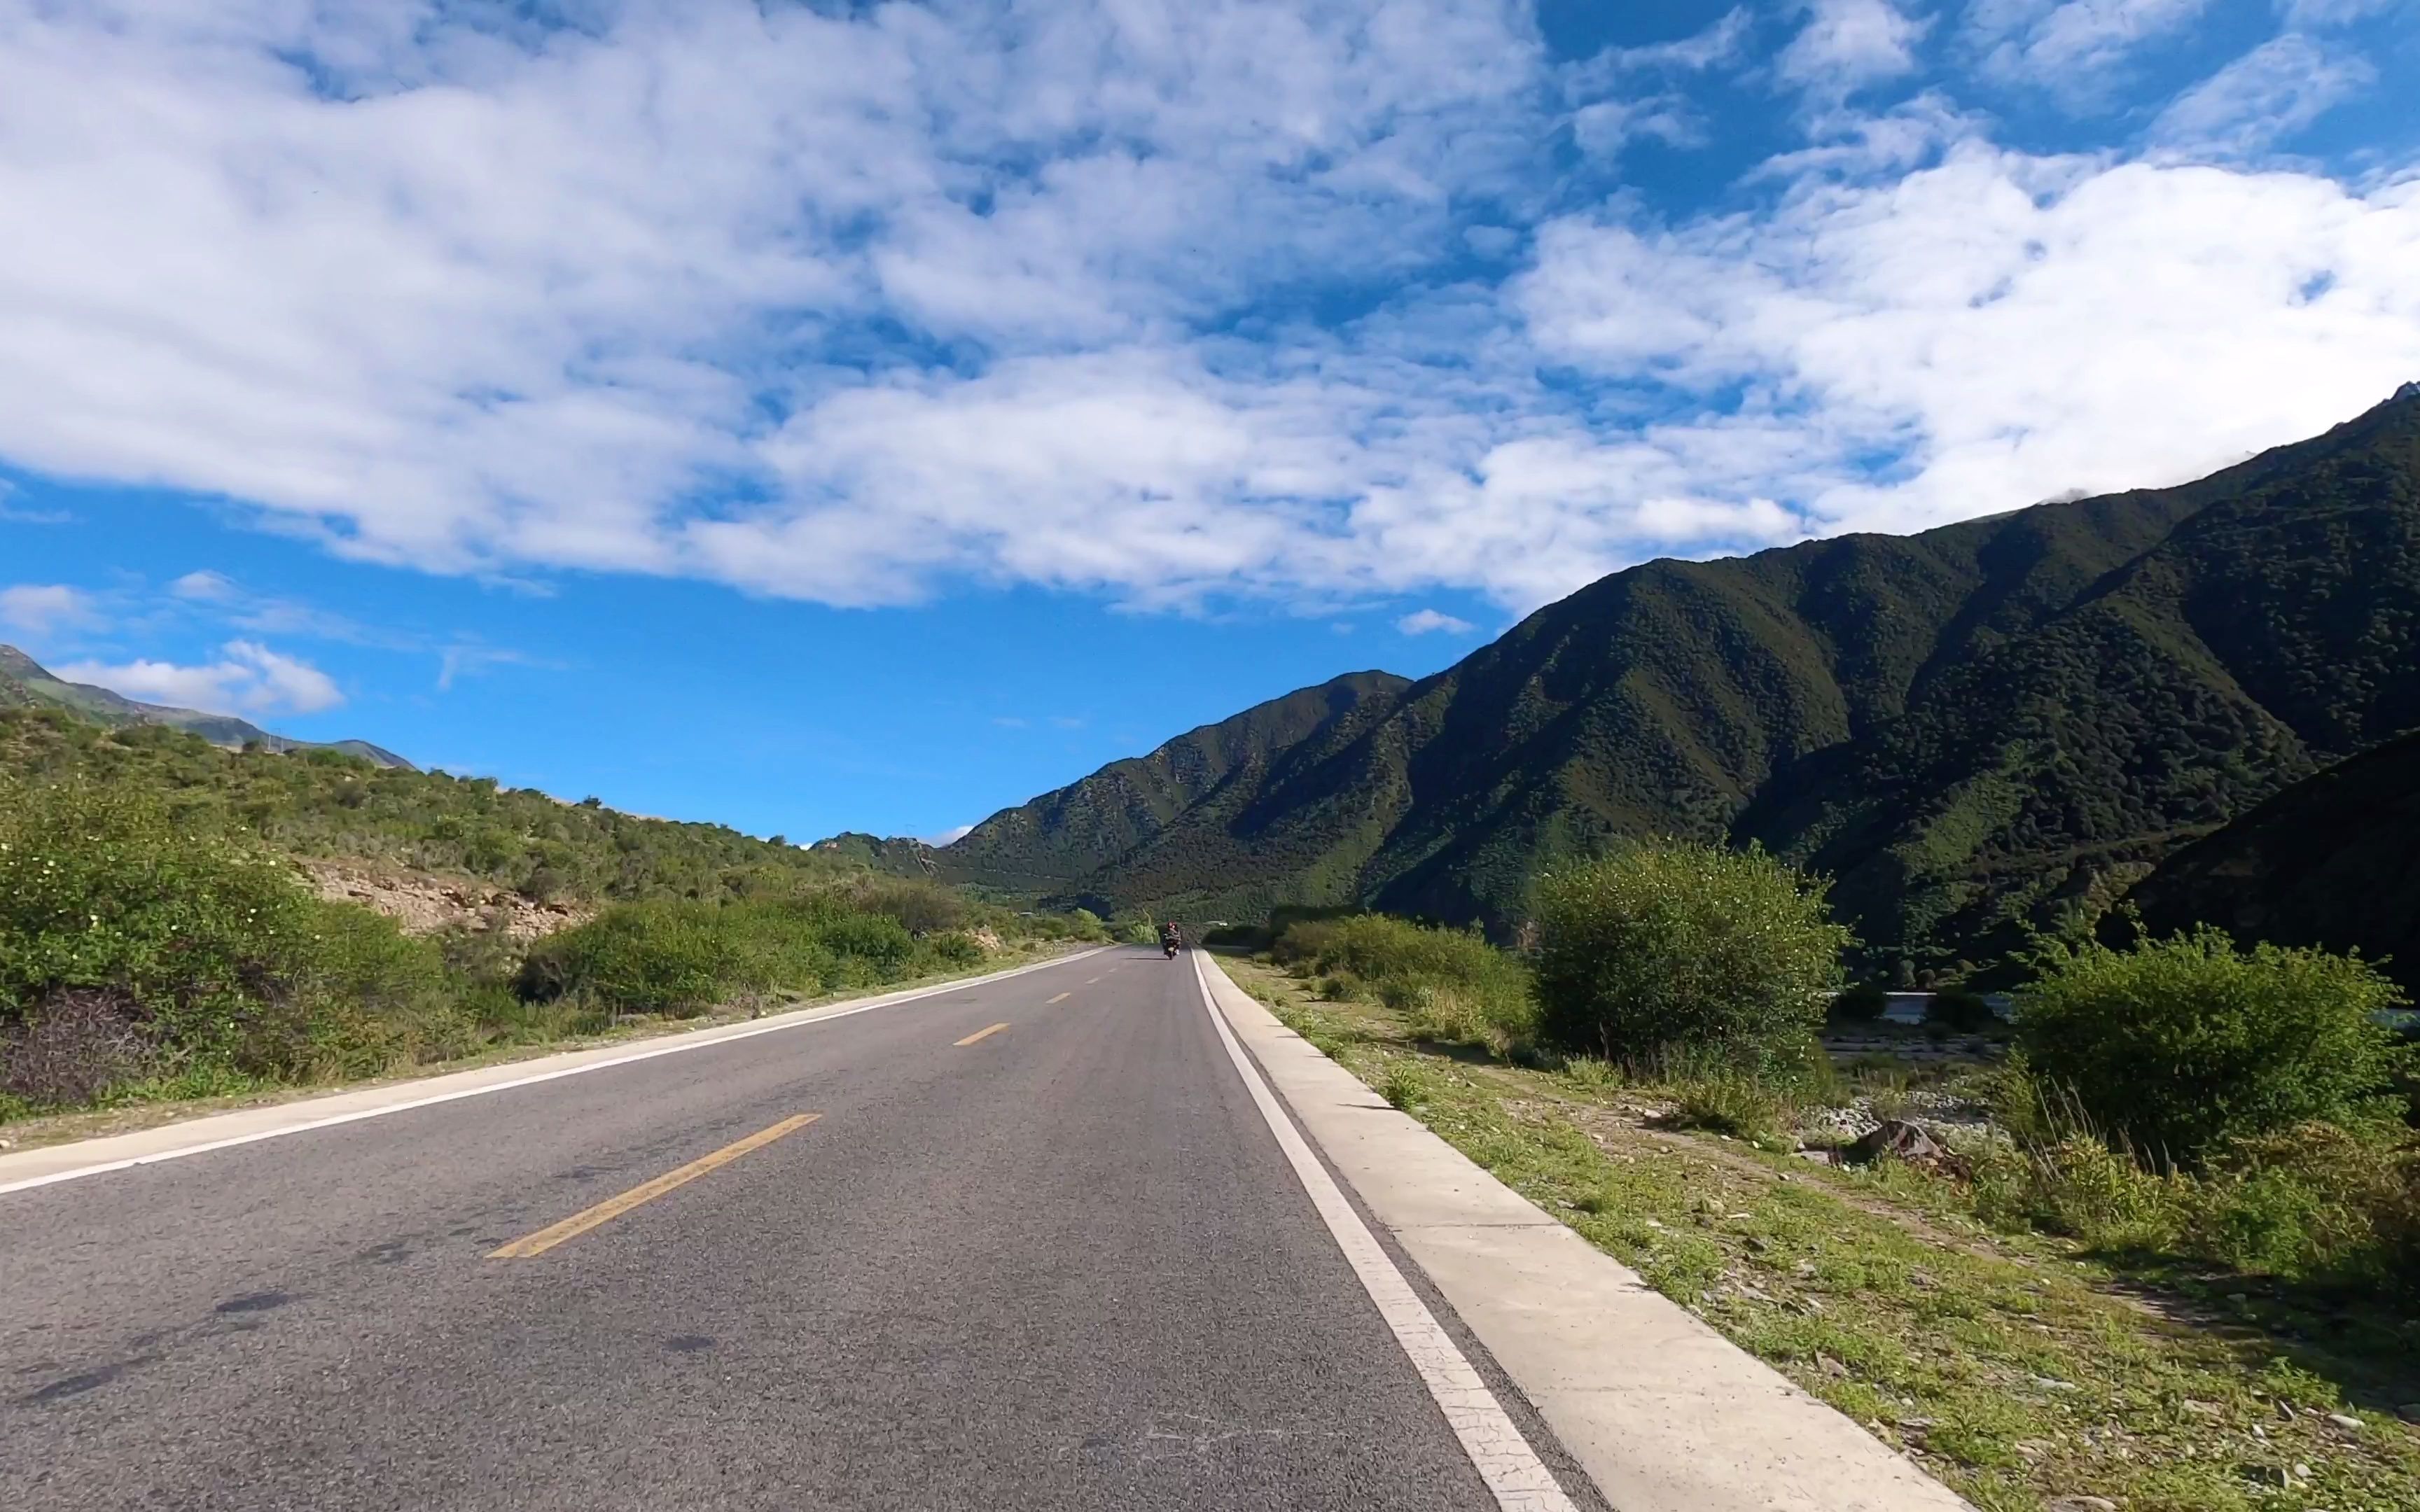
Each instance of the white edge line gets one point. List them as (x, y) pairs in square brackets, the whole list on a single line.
[(1519, 1480), (804, 1019)]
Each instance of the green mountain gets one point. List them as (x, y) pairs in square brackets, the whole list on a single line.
[(1059, 843), (2333, 862), (24, 684), (1968, 728)]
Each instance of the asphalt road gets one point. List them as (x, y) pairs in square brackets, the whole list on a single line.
[(1062, 1266)]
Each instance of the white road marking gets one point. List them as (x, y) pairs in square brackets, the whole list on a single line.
[(1514, 1472), (180, 1151)]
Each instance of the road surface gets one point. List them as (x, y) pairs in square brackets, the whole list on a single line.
[(890, 1260)]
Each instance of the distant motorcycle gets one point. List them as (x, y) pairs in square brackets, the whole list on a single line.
[(1167, 949)]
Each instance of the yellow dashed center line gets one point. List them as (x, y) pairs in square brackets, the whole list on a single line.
[(1061, 999), (580, 1223), (1089, 980), (983, 1034)]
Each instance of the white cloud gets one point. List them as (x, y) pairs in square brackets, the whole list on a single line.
[(2334, 12), (2008, 328), (206, 588), (2261, 98), (39, 608), (1718, 44), (1849, 43), (1429, 621), (2072, 47), (505, 304), (855, 305), (950, 836), (1603, 127), (249, 678)]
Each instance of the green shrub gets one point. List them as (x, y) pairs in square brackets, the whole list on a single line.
[(682, 958), (1449, 984), (919, 907), (1593, 1073), (670, 958), (1405, 1085), (212, 951), (2180, 1044), (1861, 1004), (1303, 942), (2081, 1187), (2312, 1202), (1960, 1010), (1730, 1102), (1681, 945), (954, 951)]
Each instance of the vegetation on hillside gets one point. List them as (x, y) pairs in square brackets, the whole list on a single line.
[(2331, 861), (1984, 727), (26, 684), (1054, 844), (156, 940), (323, 803), (2021, 1352), (2213, 1123)]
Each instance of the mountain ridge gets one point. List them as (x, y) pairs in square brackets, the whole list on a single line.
[(26, 681), (1053, 843), (1971, 728)]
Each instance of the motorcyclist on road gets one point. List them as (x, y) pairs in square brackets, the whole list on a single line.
[(1169, 939)]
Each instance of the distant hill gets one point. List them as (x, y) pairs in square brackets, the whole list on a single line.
[(326, 805), (26, 684), (1968, 728), (2333, 862), (1058, 842), (899, 856)]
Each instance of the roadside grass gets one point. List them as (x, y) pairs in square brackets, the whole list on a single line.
[(204, 1091), (2017, 1368)]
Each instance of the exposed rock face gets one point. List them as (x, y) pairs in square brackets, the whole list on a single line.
[(425, 904)]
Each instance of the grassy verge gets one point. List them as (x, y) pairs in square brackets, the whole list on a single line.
[(2018, 1368), (153, 1105)]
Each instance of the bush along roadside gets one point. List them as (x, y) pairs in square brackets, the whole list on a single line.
[(2019, 1364), (147, 958), (2210, 1147)]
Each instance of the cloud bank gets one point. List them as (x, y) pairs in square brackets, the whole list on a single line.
[(249, 678), (1169, 302)]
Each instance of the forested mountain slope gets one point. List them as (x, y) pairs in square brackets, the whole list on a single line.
[(1058, 841), (2334, 861), (1966, 727)]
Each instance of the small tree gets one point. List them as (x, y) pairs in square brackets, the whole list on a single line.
[(1861, 1004), (1961, 1011), (1674, 947), (2182, 1043)]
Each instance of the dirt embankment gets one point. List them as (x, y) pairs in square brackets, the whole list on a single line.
[(425, 904)]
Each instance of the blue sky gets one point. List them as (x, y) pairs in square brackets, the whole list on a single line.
[(855, 416)]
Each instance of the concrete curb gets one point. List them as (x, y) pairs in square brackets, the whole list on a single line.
[(1663, 1412), (192, 1137)]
